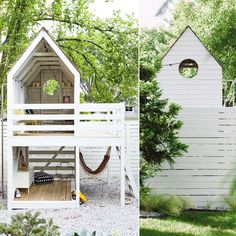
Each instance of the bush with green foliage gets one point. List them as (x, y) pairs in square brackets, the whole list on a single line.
[(146, 170), (165, 204), (159, 125), (29, 224), (230, 200)]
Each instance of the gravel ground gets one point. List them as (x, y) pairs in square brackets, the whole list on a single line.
[(102, 212)]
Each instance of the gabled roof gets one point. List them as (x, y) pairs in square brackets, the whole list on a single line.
[(188, 27), (28, 54)]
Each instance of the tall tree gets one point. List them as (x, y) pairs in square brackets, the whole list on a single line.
[(104, 50), (159, 125)]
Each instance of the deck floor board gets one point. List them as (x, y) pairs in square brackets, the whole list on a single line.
[(56, 191)]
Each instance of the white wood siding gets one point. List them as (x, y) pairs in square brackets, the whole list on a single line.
[(205, 89), (206, 172)]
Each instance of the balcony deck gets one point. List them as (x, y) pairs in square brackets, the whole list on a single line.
[(91, 124)]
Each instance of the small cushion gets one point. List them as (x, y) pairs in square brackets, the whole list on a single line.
[(42, 178)]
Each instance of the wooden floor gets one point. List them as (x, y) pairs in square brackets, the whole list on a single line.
[(56, 191)]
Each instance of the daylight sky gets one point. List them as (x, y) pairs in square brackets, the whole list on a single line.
[(145, 10), (105, 9), (148, 10)]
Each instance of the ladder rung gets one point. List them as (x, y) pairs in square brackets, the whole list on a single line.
[(48, 159), (39, 152), (55, 168)]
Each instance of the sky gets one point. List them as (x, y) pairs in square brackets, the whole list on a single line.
[(144, 10), (104, 9), (148, 10)]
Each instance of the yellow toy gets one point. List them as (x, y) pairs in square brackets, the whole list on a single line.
[(82, 197)]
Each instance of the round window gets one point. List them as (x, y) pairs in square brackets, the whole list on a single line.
[(51, 87), (188, 68)]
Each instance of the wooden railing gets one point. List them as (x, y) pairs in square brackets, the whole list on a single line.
[(84, 119)]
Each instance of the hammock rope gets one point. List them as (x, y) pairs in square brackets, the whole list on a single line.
[(100, 168)]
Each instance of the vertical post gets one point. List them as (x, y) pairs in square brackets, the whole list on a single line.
[(76, 104), (122, 157), (10, 188), (2, 135), (122, 176), (108, 174), (10, 101), (77, 176)]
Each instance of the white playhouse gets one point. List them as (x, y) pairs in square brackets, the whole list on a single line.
[(44, 112), (192, 78), (190, 75)]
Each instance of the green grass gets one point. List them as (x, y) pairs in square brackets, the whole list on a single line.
[(203, 223)]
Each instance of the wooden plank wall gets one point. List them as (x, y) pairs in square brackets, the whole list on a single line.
[(36, 94), (205, 89), (206, 172), (92, 155)]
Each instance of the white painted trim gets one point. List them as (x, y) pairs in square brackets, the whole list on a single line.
[(10, 188), (42, 127), (108, 173), (43, 117), (69, 140), (27, 55), (77, 175), (77, 105), (122, 160)]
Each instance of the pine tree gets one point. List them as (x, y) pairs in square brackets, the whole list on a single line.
[(159, 125)]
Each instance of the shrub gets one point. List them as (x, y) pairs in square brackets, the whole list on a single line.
[(165, 204), (231, 199), (29, 224), (147, 170)]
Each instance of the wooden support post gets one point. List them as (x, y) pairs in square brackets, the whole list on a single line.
[(108, 174), (2, 135), (77, 176), (122, 176), (10, 188)]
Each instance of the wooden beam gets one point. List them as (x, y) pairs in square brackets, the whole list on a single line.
[(34, 65), (44, 54), (77, 176)]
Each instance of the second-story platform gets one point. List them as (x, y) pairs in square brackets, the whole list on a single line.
[(44, 106)]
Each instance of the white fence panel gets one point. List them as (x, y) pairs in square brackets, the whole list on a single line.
[(206, 172)]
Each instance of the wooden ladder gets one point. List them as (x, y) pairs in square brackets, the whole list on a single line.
[(129, 177), (53, 159)]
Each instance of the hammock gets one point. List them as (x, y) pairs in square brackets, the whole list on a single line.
[(100, 168)]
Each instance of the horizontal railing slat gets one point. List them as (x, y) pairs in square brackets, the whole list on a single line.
[(43, 117), (43, 127), (46, 106)]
